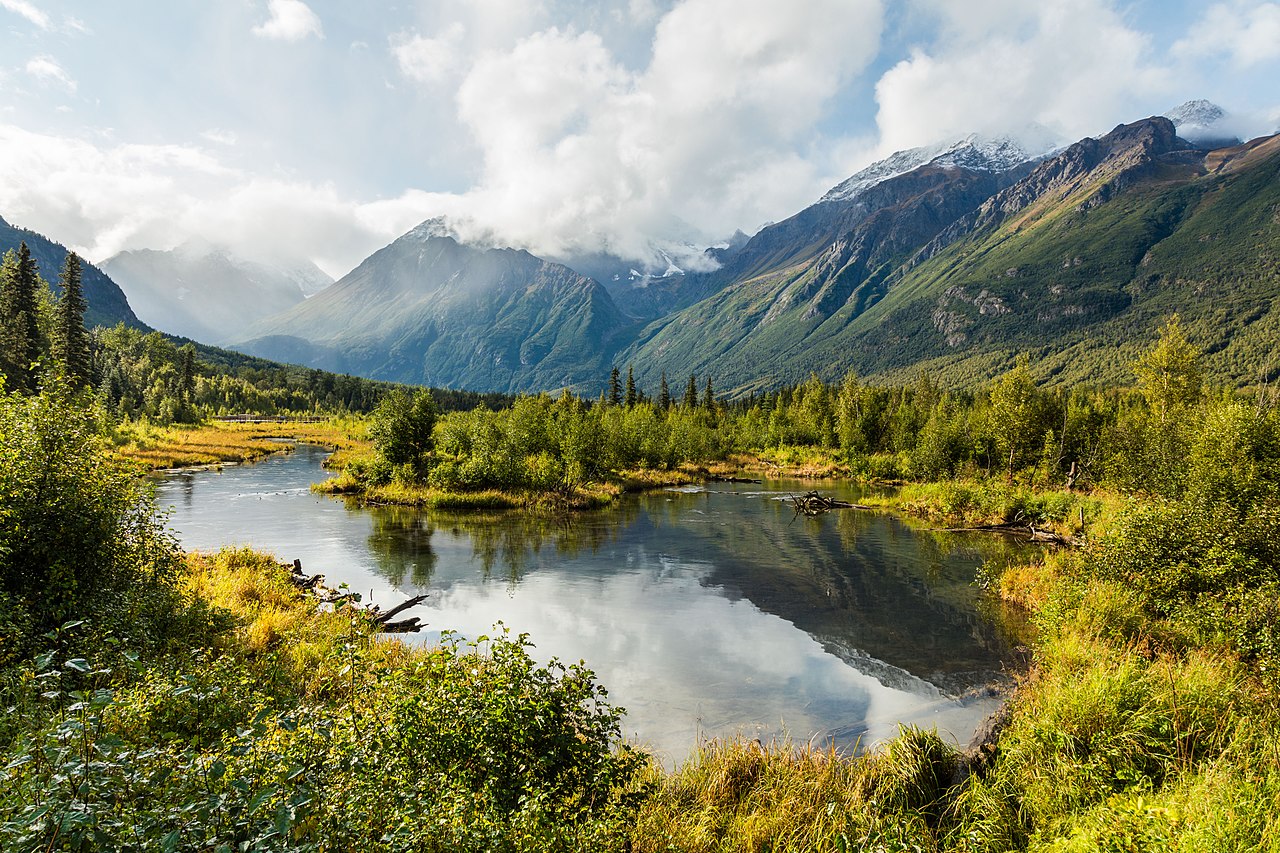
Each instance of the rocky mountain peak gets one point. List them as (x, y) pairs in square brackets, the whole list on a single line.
[(1203, 123), (976, 152)]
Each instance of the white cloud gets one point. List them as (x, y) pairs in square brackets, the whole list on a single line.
[(291, 20), (220, 136), (103, 198), (429, 60), (1247, 33), (582, 154), (1073, 66), (28, 11), (47, 70)]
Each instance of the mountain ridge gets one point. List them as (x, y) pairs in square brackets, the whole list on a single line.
[(107, 304)]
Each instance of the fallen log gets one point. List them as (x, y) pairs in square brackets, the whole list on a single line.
[(385, 618), (719, 479), (386, 622), (812, 503), (1033, 534), (412, 625)]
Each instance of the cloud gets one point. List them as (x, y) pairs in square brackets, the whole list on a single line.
[(581, 154), (28, 11), (220, 136), (429, 60), (103, 198), (1246, 33), (46, 70), (291, 20), (1073, 66)]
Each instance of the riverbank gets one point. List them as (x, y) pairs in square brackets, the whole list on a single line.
[(158, 448)]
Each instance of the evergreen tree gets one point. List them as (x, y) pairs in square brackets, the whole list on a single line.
[(708, 396), (70, 339), (21, 344), (691, 392), (615, 388), (631, 387), (186, 372), (664, 394)]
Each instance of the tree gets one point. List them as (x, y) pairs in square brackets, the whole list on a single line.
[(1169, 373), (708, 396), (186, 372), (1014, 418), (664, 394), (70, 339), (631, 387), (402, 428), (20, 316), (691, 392), (615, 388)]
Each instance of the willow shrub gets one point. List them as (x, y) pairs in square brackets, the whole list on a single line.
[(78, 532)]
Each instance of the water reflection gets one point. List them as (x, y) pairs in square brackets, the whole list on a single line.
[(400, 545), (705, 612)]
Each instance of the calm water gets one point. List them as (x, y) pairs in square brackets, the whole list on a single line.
[(705, 612)]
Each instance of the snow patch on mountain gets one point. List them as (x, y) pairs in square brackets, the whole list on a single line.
[(975, 151), (1205, 123)]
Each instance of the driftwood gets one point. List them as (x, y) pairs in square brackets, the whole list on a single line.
[(812, 503), (386, 622), (1018, 528), (718, 479)]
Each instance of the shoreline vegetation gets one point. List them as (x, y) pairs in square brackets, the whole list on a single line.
[(170, 701)]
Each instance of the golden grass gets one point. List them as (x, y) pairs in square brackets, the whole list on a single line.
[(589, 496), (273, 617), (803, 463), (159, 447)]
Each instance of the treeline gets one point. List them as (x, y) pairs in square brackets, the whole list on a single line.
[(1132, 439), (153, 376)]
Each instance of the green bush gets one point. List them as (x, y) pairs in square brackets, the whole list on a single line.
[(78, 532)]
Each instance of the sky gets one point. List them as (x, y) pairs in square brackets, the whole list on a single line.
[(323, 129)]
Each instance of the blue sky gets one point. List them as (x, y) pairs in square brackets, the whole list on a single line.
[(323, 129)]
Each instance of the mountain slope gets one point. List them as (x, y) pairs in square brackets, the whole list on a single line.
[(1081, 261), (107, 304), (206, 293), (1077, 260), (829, 261), (428, 310)]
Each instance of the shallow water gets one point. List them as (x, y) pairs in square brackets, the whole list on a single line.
[(704, 611)]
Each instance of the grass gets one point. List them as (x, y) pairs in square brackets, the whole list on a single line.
[(180, 445), (959, 503), (273, 617)]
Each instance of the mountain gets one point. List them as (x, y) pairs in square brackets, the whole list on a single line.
[(428, 310), (1202, 123), (1077, 261), (833, 257), (107, 304), (204, 292)]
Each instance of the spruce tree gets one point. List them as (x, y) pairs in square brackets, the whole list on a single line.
[(664, 394), (631, 387), (615, 388), (708, 396), (21, 333), (691, 392), (70, 339)]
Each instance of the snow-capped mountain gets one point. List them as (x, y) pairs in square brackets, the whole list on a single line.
[(1204, 123), (976, 151)]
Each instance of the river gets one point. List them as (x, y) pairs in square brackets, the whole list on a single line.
[(705, 612)]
